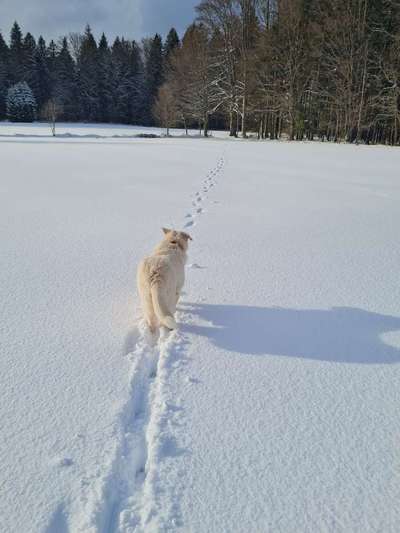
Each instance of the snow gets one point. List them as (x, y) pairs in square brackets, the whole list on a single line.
[(73, 130), (274, 407)]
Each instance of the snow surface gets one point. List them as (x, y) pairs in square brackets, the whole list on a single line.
[(273, 408), (71, 130)]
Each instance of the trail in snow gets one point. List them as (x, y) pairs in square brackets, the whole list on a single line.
[(126, 500), (275, 404), (197, 208)]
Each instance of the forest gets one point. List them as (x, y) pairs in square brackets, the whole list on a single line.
[(295, 69)]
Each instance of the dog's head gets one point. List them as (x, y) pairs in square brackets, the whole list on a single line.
[(178, 238)]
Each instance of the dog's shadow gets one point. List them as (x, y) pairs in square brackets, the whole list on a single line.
[(340, 334)]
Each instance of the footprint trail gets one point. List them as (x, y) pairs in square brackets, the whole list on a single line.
[(201, 197), (127, 498)]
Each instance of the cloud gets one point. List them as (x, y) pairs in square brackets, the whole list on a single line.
[(133, 19)]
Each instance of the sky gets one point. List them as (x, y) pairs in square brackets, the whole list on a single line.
[(132, 19)]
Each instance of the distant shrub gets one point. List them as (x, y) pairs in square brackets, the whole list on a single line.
[(21, 103)]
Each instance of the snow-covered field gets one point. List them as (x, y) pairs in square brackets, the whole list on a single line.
[(273, 408), (71, 130)]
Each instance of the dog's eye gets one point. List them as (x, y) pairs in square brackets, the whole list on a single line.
[(173, 242)]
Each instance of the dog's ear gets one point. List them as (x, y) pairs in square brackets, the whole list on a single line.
[(186, 236), (166, 230)]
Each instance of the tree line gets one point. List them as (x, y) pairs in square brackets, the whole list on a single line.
[(327, 69), (301, 69), (81, 79)]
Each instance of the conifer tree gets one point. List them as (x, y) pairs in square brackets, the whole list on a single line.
[(16, 54), (122, 81), (137, 75), (105, 80), (64, 92), (30, 73), (87, 70), (43, 87), (21, 103), (153, 76), (172, 42), (4, 75)]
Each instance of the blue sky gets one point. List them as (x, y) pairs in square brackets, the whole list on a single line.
[(133, 19)]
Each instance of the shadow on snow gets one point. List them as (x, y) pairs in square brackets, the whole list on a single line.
[(340, 334)]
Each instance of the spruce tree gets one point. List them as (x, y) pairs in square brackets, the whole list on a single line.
[(123, 81), (171, 43), (21, 103), (43, 89), (16, 54), (30, 73), (51, 61), (105, 93), (64, 91), (88, 77), (4, 75), (153, 76), (137, 73)]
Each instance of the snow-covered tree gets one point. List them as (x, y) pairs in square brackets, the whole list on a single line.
[(21, 103)]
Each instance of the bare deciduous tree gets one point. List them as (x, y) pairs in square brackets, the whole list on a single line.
[(50, 112), (165, 109)]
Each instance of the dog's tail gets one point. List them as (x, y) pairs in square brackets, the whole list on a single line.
[(160, 308)]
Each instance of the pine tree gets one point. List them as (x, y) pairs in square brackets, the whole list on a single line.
[(21, 103)]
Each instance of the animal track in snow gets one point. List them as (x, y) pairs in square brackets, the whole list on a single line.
[(126, 498), (200, 197)]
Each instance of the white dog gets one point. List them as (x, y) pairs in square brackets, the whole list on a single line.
[(160, 279)]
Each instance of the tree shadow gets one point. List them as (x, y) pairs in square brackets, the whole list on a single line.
[(340, 334)]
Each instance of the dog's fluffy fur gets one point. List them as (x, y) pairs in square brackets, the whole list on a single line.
[(160, 279)]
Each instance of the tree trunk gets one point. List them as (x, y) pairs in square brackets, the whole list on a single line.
[(232, 125), (244, 108), (206, 125)]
